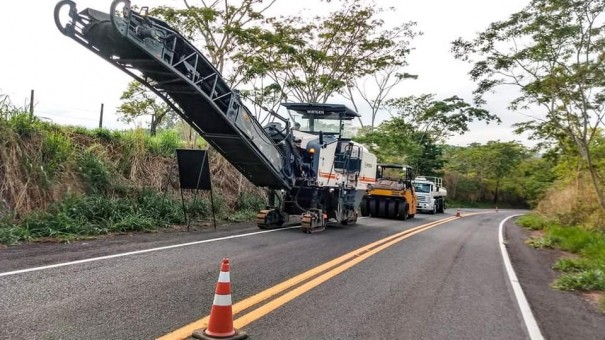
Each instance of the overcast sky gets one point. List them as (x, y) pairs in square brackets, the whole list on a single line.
[(70, 82)]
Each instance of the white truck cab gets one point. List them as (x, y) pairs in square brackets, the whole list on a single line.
[(430, 193)]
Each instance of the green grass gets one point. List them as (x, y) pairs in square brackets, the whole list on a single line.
[(88, 174), (533, 222), (94, 215), (541, 242), (592, 279), (587, 272)]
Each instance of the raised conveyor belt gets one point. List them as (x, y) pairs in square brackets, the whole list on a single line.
[(162, 59)]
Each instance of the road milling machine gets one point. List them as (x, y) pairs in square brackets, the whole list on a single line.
[(392, 195), (310, 167)]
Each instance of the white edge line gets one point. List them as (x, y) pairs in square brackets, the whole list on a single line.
[(64, 264), (528, 316)]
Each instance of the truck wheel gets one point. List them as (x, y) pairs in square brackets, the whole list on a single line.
[(434, 211), (392, 209), (373, 205), (363, 207), (382, 208), (441, 207), (403, 211)]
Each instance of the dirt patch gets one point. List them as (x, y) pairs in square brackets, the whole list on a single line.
[(594, 298), (536, 234)]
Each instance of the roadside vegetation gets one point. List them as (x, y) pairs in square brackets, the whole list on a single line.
[(552, 55), (65, 183), (585, 271)]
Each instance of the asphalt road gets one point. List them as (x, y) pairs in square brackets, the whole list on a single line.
[(444, 282)]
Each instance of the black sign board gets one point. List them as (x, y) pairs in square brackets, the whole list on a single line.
[(194, 171)]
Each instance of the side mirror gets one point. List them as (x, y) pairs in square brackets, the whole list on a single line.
[(321, 138)]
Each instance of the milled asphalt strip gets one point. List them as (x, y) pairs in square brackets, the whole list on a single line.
[(64, 264), (528, 316)]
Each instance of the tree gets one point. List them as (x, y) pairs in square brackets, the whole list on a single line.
[(553, 52), (395, 141), (484, 169), (438, 119), (375, 97), (313, 59), (499, 159), (138, 101), (220, 27)]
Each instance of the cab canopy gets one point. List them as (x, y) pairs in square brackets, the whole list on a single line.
[(322, 111)]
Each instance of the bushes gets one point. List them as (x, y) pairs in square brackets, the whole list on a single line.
[(94, 172), (68, 182), (250, 201), (533, 222), (95, 215), (56, 150), (586, 272)]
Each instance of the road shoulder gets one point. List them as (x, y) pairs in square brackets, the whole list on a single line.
[(560, 315)]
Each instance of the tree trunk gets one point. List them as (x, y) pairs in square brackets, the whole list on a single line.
[(584, 149), (153, 128), (595, 182), (496, 193)]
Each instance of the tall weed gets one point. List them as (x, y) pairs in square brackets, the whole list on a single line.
[(164, 143), (56, 150), (94, 171), (533, 221)]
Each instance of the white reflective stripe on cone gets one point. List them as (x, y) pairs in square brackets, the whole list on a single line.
[(224, 277), (222, 300)]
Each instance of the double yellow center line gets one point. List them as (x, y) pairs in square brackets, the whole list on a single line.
[(329, 269)]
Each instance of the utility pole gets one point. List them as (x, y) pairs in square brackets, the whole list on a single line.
[(101, 117), (31, 104)]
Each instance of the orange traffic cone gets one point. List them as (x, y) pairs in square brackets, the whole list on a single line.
[(220, 325), (458, 213)]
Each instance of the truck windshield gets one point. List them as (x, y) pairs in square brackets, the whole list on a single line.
[(422, 187), (314, 125)]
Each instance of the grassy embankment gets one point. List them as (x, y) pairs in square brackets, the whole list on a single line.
[(66, 183), (569, 219)]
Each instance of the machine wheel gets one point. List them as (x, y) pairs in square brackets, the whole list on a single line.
[(392, 209), (403, 211), (373, 205), (434, 211), (382, 208), (363, 207), (441, 209)]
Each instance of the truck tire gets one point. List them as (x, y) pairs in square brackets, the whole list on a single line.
[(382, 208), (363, 207), (402, 212), (392, 209), (373, 205)]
